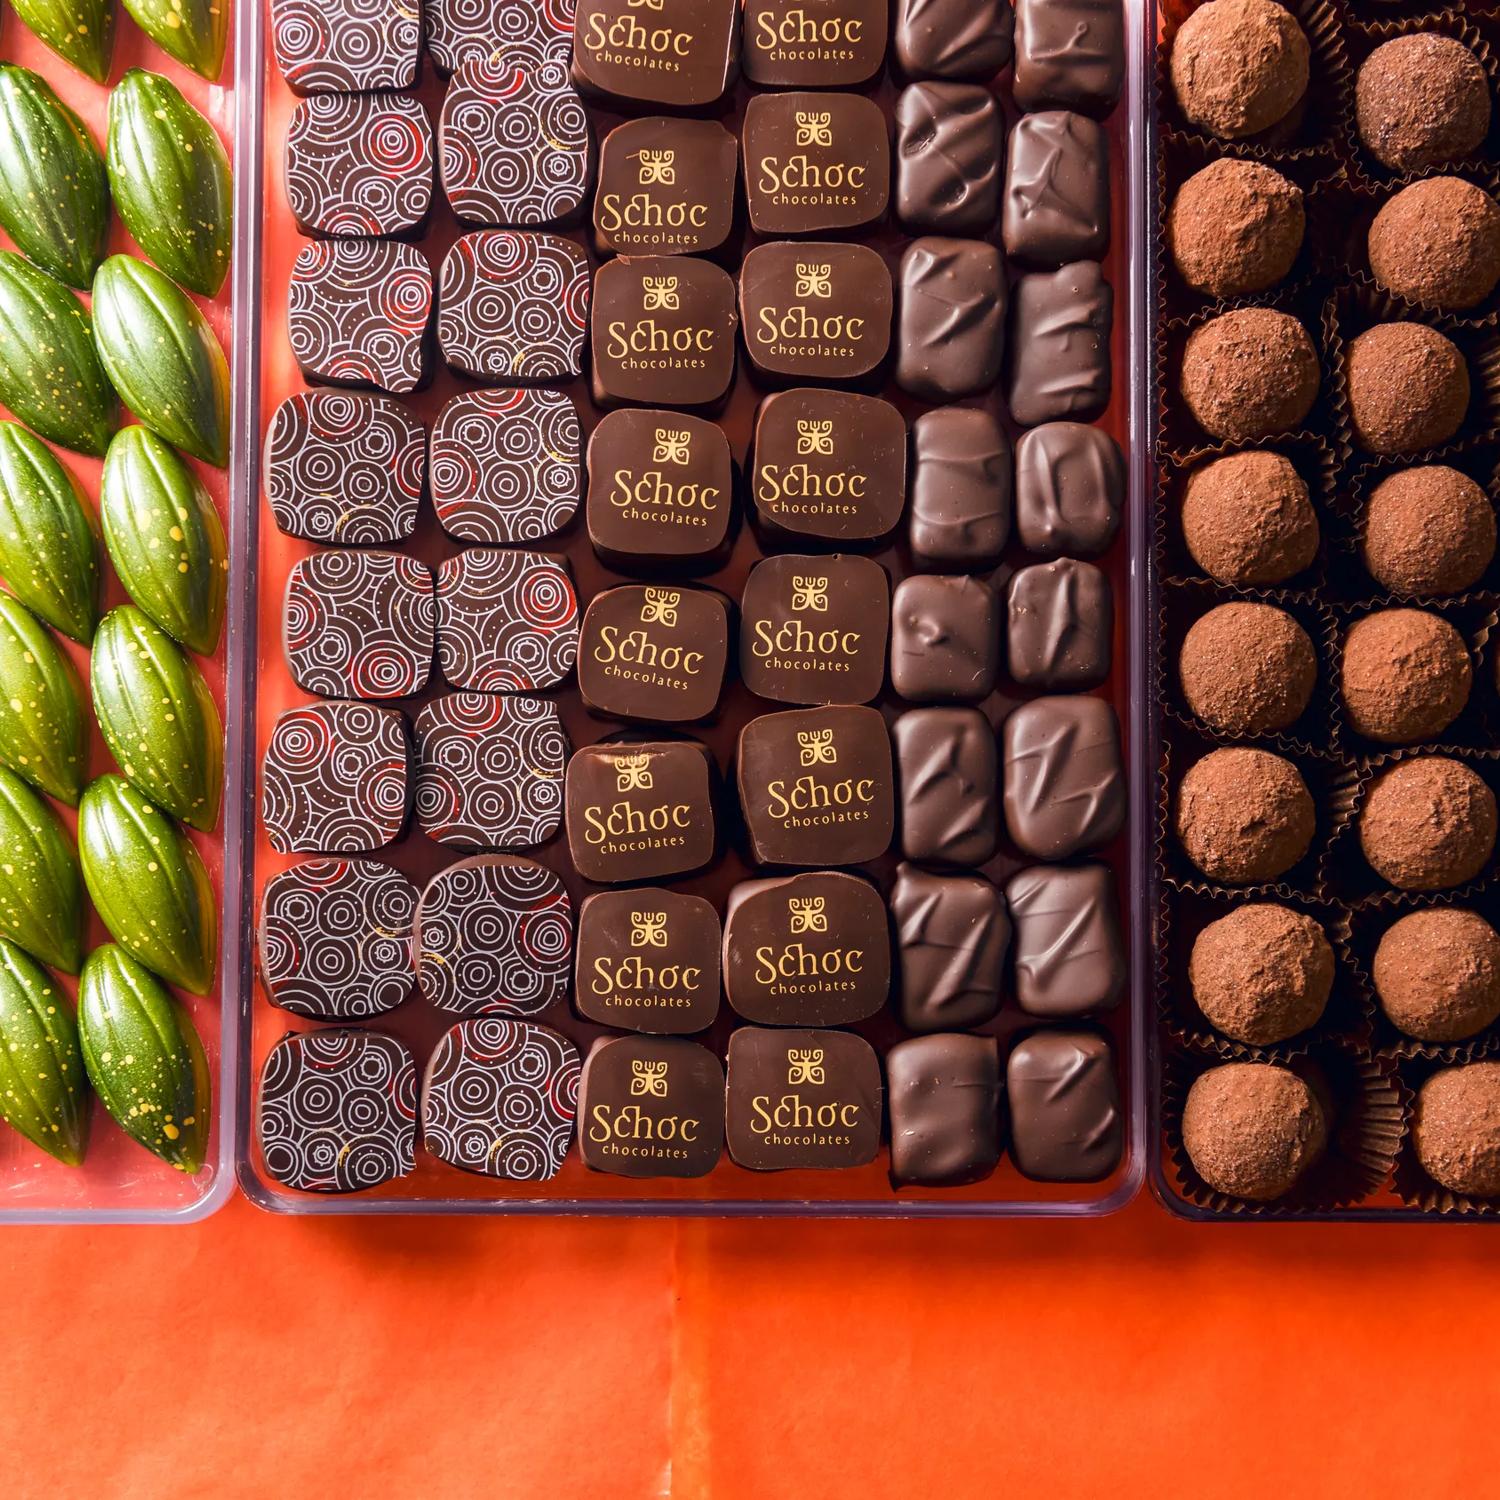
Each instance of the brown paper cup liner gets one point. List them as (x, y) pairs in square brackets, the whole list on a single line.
[(1316, 126), (1363, 1097), (1412, 1184)]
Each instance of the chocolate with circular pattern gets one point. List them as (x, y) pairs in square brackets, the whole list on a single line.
[(494, 936), (334, 939), (513, 307), (347, 46), (490, 770), (337, 1111), (345, 468), (506, 465), (358, 313), (507, 621), (516, 149), (359, 624), (336, 779), (359, 165), (500, 1097), (461, 29)]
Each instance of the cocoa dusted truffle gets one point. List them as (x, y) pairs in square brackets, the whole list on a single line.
[(1428, 530), (1437, 242), (1235, 228), (1247, 669), (1456, 1129), (1244, 815), (1249, 373), (1421, 101), (1427, 824), (1252, 1129), (1239, 67), (1437, 973), (1405, 675), (1261, 974), (1247, 519), (1408, 387)]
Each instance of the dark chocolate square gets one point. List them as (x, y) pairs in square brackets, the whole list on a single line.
[(949, 141), (1065, 789), (1065, 1120), (813, 44), (945, 638), (1069, 953), (960, 490), (1070, 54), (1070, 489), (1060, 331), (1061, 625), (1056, 190), (951, 936), (945, 1098), (666, 187), (347, 47), (945, 760), (951, 339), (814, 629), (651, 1107), (953, 38), (798, 1098), (680, 53)]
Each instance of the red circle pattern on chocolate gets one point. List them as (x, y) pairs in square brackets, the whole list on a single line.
[(514, 306), (359, 624), (345, 468), (514, 142), (359, 164), (490, 770), (335, 939), (357, 313), (494, 937), (500, 1098), (346, 46), (507, 621), (338, 1111), (506, 466)]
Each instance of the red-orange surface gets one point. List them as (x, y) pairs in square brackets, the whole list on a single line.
[(592, 1360)]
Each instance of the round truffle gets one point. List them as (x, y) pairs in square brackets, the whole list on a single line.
[(1252, 1129), (1247, 669), (1235, 227), (1437, 973), (1405, 675), (1427, 824), (1438, 242), (1421, 101), (1239, 67), (1244, 815), (1247, 519), (1262, 973), (1249, 373), (1429, 530), (1456, 1129), (1408, 387)]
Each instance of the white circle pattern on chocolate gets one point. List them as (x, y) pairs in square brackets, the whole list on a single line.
[(490, 770), (338, 1111), (346, 46), (500, 1098), (507, 621), (334, 939), (506, 466), (460, 29), (494, 937)]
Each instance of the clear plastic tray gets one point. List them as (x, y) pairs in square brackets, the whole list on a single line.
[(267, 246), (119, 1182)]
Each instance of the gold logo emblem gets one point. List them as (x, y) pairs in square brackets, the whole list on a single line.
[(814, 129), (817, 747), (645, 4), (648, 1077), (671, 447), (660, 607), (810, 593), (656, 166), (807, 914), (814, 280), (814, 437), (804, 1066), (648, 929), (659, 292), (631, 772)]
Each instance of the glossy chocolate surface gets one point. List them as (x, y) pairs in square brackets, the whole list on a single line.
[(946, 769), (1066, 1124), (1060, 625), (1069, 952), (1060, 330), (952, 933), (651, 1107), (1070, 489), (953, 38), (1070, 54), (813, 44), (959, 513), (666, 187), (1065, 789), (945, 638), (949, 154), (951, 333), (945, 1099), (1056, 190), (679, 53)]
